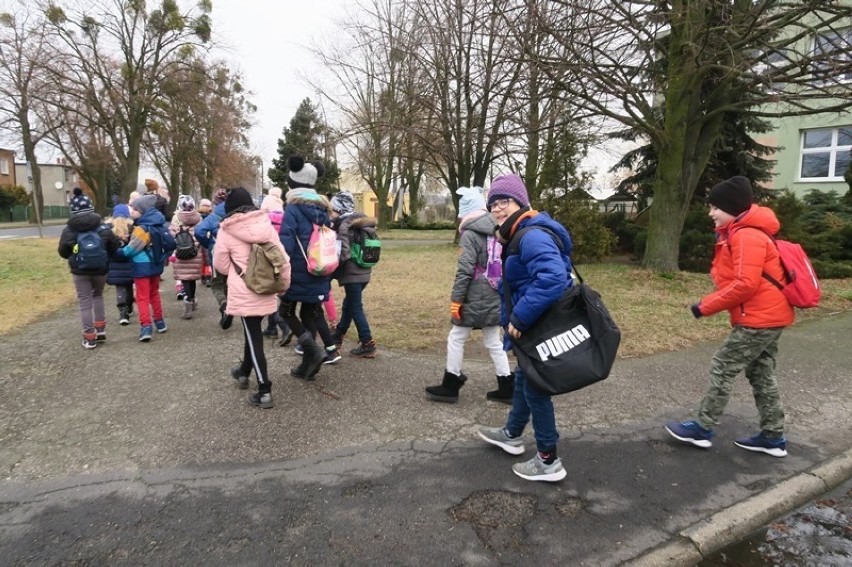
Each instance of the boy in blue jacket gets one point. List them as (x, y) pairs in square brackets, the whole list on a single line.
[(205, 233), (150, 244)]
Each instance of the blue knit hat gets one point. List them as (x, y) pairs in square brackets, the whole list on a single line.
[(471, 200), (121, 212)]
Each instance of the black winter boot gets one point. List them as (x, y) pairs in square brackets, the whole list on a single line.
[(312, 358), (505, 390), (271, 330), (448, 391), (123, 315)]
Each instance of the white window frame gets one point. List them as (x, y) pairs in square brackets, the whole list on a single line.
[(837, 41), (833, 150), (4, 166)]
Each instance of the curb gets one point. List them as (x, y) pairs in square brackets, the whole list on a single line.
[(734, 523)]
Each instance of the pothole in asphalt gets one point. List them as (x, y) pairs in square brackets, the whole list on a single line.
[(660, 446), (495, 509), (358, 490), (570, 507)]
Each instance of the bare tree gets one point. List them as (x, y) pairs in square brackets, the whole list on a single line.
[(197, 133), (695, 58), (116, 56), (23, 49)]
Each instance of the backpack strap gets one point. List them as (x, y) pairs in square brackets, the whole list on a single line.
[(766, 276)]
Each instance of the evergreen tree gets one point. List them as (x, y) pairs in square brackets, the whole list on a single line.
[(307, 136)]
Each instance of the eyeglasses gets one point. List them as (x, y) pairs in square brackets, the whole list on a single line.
[(499, 204)]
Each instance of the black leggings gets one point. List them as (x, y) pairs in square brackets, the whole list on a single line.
[(311, 319), (189, 288), (253, 357)]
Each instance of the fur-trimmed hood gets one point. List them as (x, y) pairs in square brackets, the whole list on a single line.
[(365, 222), (308, 197)]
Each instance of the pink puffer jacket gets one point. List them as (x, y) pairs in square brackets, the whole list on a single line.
[(188, 269), (233, 245)]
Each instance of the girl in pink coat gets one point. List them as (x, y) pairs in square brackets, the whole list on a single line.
[(243, 226), (187, 271)]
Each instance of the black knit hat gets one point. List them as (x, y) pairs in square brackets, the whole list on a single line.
[(733, 195), (237, 197)]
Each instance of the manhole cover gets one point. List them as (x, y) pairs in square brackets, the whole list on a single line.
[(495, 509)]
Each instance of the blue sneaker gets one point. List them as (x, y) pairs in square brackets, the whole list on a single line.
[(161, 325), (691, 432), (777, 447), (145, 334)]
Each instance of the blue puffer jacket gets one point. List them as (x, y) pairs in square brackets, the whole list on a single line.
[(539, 273), (205, 231), (304, 209), (150, 244), (120, 270)]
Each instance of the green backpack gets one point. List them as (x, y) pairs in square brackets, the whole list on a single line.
[(365, 248), (263, 273)]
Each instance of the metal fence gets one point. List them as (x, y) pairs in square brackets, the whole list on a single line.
[(21, 213)]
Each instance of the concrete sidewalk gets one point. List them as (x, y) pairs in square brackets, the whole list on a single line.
[(147, 454)]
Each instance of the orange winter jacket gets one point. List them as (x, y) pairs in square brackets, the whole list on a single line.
[(744, 251)]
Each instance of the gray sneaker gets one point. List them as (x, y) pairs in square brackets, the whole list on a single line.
[(535, 469), (497, 436)]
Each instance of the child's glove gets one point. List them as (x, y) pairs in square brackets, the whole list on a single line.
[(696, 311), (172, 259), (456, 310)]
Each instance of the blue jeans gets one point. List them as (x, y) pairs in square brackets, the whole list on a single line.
[(528, 400), (353, 310)]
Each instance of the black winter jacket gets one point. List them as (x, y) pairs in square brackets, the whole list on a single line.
[(83, 222)]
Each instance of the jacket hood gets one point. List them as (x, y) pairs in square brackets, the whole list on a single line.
[(308, 197), (151, 217), (189, 218), (83, 222), (759, 217), (479, 221), (251, 227), (360, 220), (545, 220)]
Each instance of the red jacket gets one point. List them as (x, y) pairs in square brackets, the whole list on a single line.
[(742, 255)]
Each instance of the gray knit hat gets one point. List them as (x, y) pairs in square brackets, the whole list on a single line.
[(343, 203)]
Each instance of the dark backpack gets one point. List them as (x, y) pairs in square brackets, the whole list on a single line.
[(185, 248), (365, 249), (90, 251)]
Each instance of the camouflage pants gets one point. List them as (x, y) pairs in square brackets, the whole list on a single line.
[(751, 350)]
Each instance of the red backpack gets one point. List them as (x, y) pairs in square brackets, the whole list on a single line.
[(801, 286)]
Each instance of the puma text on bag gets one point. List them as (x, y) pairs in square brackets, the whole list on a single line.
[(321, 256), (802, 287), (185, 248), (572, 344), (365, 249), (90, 251), (264, 270)]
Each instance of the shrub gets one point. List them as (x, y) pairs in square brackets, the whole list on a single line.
[(827, 270), (592, 240)]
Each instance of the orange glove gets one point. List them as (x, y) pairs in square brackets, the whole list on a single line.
[(455, 310)]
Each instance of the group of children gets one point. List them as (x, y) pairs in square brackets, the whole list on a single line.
[(538, 272), (138, 243)]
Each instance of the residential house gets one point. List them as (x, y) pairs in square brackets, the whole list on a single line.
[(814, 151), (8, 177), (57, 182)]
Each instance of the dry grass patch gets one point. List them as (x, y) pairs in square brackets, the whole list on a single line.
[(34, 281)]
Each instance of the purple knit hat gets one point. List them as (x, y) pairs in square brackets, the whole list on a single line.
[(508, 186)]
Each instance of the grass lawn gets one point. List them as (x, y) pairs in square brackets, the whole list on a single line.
[(407, 301)]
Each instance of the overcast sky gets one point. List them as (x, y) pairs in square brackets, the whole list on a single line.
[(267, 40)]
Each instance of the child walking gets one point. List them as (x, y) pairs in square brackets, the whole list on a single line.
[(243, 226), (150, 244), (88, 271), (758, 312), (187, 270), (352, 277), (475, 301), (120, 274)]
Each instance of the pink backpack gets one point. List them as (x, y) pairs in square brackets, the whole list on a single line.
[(801, 286), (321, 256), (276, 218)]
